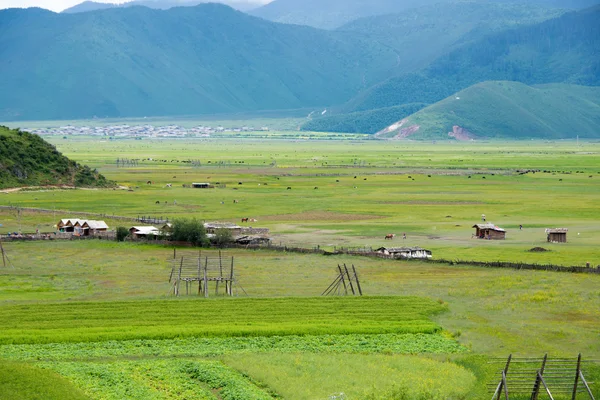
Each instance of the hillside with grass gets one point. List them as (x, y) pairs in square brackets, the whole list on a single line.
[(362, 122), (207, 59), (28, 160), (507, 110), (560, 50)]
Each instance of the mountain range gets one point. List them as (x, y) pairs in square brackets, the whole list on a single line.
[(86, 6), (195, 60), (368, 70), (331, 14)]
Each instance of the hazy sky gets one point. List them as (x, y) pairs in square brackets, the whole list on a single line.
[(59, 5)]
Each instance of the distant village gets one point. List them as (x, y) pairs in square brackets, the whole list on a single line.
[(143, 131)]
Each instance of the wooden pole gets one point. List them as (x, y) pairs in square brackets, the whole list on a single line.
[(505, 385), (536, 385), (541, 378), (349, 280), (231, 279), (577, 377), (3, 256), (343, 281), (357, 282), (220, 275), (199, 279), (179, 278), (586, 385), (206, 278), (504, 371)]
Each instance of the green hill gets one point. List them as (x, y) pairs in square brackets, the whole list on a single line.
[(563, 49), (135, 61), (28, 160), (362, 122), (508, 110)]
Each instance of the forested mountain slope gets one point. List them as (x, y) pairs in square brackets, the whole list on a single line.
[(206, 59), (331, 14), (27, 159), (560, 50), (423, 34)]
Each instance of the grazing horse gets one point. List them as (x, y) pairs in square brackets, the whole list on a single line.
[(390, 236), (244, 219), (149, 183), (235, 201), (289, 188), (157, 201)]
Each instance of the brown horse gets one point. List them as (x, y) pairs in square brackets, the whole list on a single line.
[(244, 219), (390, 236)]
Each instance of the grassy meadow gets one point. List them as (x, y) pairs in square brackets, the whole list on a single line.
[(96, 320)]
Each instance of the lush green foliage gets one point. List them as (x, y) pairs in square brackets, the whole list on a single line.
[(189, 230), (513, 110), (27, 382), (222, 237), (557, 50), (194, 60), (27, 159), (235, 317), (122, 233), (309, 376), (362, 122), (391, 343)]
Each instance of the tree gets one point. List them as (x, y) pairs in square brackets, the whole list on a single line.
[(223, 237), (122, 233), (189, 230)]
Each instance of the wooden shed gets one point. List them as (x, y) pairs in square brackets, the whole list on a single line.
[(90, 227), (489, 231), (556, 235)]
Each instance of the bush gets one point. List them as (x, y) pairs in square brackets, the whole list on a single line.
[(189, 230), (122, 233), (222, 238)]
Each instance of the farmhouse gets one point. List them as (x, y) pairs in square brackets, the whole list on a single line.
[(212, 227), (489, 231), (81, 227), (66, 225), (202, 186), (405, 252), (143, 232), (91, 227), (557, 235)]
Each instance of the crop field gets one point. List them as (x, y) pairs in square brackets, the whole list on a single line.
[(95, 319)]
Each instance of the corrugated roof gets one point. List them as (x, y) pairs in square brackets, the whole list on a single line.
[(489, 226), (145, 230), (557, 230), (95, 224)]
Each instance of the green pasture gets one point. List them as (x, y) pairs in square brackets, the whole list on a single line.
[(95, 319), (348, 193)]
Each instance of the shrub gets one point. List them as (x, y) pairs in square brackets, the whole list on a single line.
[(122, 233), (189, 230), (222, 238)]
